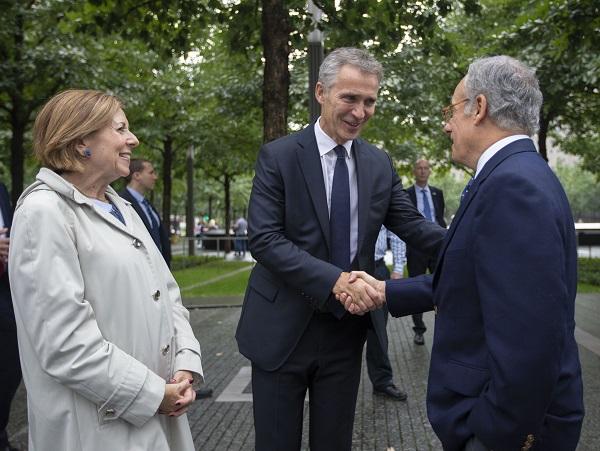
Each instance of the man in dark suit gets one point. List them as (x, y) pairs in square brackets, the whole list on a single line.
[(318, 201), (140, 180), (10, 370), (430, 203), (505, 371)]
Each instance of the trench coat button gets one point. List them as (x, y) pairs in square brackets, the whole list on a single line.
[(137, 243), (165, 349), (156, 295), (109, 412)]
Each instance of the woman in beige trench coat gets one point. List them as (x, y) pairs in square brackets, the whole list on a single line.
[(108, 355)]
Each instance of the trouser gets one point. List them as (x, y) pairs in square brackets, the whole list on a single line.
[(378, 361), (417, 264), (327, 363)]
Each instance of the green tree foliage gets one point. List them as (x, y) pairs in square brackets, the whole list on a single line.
[(38, 56), (559, 38), (582, 190)]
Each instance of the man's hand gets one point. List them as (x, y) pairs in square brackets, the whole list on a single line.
[(357, 293), (4, 244), (179, 394), (361, 277)]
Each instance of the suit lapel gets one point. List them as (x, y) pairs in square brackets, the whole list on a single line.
[(5, 207), (412, 194), (137, 207), (364, 185), (309, 160), (524, 145)]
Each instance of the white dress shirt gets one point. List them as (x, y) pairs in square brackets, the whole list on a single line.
[(420, 205), (328, 160), (494, 149)]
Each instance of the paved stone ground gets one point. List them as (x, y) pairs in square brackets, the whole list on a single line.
[(380, 425)]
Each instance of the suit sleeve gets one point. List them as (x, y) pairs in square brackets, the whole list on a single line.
[(48, 291), (267, 235), (409, 296), (519, 262)]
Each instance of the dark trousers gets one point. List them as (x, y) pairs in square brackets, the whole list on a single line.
[(378, 362), (417, 264), (326, 362), (10, 370)]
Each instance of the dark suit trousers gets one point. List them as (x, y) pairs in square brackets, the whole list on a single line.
[(326, 362), (10, 370), (417, 264), (378, 362)]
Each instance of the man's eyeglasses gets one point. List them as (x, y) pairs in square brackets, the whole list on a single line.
[(448, 111)]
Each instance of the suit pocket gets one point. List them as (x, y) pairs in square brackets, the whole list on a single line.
[(262, 284), (466, 379)]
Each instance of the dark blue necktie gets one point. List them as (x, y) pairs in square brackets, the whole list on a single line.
[(117, 213), (148, 208), (154, 231), (426, 206), (339, 223), (339, 216), (466, 189)]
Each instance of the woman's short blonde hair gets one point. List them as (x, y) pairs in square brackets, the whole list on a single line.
[(65, 120)]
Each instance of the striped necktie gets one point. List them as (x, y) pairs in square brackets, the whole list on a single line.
[(117, 213)]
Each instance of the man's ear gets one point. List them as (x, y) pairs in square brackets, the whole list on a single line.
[(481, 109), (320, 92)]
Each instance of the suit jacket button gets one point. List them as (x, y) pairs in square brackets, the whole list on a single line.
[(109, 412), (137, 243), (165, 349), (156, 295)]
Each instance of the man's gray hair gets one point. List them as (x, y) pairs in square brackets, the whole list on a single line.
[(338, 58), (511, 89)]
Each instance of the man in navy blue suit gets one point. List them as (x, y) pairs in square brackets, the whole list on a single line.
[(429, 200), (10, 370), (505, 371), (319, 198), (140, 181)]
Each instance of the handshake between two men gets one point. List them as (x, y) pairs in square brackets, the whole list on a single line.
[(359, 292)]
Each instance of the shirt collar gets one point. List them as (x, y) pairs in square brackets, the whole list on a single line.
[(494, 149), (136, 195), (418, 188), (325, 143)]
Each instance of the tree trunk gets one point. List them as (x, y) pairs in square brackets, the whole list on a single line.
[(17, 116), (17, 151), (543, 135), (167, 181), (189, 208), (227, 190), (276, 79)]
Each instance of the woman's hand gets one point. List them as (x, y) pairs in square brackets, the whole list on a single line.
[(179, 394)]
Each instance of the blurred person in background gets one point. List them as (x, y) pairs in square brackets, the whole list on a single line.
[(10, 370)]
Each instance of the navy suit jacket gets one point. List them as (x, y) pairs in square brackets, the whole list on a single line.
[(165, 244), (437, 195), (288, 231), (504, 363), (6, 308)]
